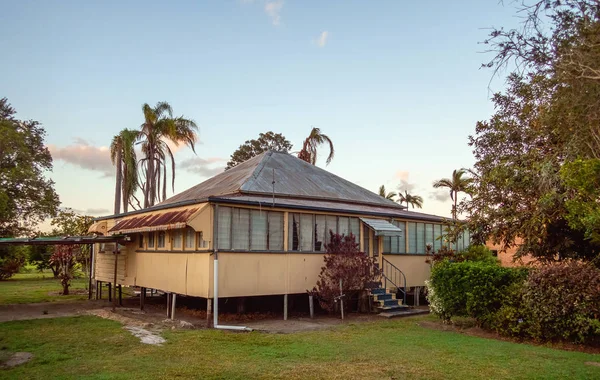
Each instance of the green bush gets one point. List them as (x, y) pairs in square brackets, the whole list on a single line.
[(12, 260), (471, 289), (563, 302), (478, 253)]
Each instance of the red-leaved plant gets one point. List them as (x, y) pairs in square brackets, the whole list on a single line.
[(64, 258), (343, 261)]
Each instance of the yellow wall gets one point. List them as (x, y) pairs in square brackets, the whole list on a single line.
[(104, 267), (414, 267)]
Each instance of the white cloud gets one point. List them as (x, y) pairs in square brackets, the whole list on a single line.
[(440, 195), (84, 155), (322, 39), (206, 167), (273, 9)]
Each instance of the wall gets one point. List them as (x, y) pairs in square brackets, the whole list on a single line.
[(507, 256), (414, 267)]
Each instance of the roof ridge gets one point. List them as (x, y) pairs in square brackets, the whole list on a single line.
[(257, 170)]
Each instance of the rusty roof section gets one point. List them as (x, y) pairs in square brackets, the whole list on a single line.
[(283, 175), (155, 221)]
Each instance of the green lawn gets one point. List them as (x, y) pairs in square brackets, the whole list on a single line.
[(36, 287), (90, 347)]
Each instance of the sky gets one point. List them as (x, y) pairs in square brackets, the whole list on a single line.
[(396, 85)]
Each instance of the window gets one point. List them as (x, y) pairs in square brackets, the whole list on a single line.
[(420, 238), (241, 229), (355, 229), (151, 240), (366, 239), (224, 228), (412, 237), (161, 239), (308, 232), (396, 244), (189, 238), (245, 229), (200, 240), (343, 226), (429, 236), (140, 240), (437, 242), (259, 227), (177, 239)]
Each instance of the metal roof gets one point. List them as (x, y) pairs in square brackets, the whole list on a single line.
[(284, 175), (382, 227), (63, 240), (155, 221)]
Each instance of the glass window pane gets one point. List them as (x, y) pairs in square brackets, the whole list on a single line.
[(343, 225), (437, 243), (293, 232), (275, 237), (366, 239), (224, 228), (306, 232), (241, 229), (387, 244), (429, 238), (177, 239), (467, 239), (190, 234), (420, 238), (355, 229), (201, 243), (151, 240), (258, 240), (412, 237), (140, 240), (331, 227), (161, 239), (321, 233), (402, 238)]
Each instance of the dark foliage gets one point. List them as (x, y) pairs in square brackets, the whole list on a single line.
[(251, 148)]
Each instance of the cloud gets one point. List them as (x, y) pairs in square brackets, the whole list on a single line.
[(85, 156), (206, 167), (89, 211), (273, 9), (440, 195), (322, 39)]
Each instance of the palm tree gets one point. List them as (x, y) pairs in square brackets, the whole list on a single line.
[(312, 143), (386, 195), (456, 184), (409, 199), (159, 127), (122, 154)]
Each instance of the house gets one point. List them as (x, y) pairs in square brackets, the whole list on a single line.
[(266, 221)]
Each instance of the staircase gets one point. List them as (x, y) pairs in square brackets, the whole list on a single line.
[(387, 304)]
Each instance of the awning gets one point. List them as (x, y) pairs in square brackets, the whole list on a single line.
[(382, 227), (98, 228), (155, 221)]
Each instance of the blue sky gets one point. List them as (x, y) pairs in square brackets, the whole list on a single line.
[(395, 84)]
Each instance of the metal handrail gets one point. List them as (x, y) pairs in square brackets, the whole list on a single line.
[(395, 276)]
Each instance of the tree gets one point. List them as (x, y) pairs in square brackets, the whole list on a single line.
[(409, 199), (12, 260), (391, 195), (311, 145), (64, 258), (159, 127), (251, 148), (343, 262), (123, 156), (456, 184), (546, 119), (70, 223), (26, 196)]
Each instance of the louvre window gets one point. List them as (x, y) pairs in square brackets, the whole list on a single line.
[(395, 244), (412, 237), (151, 240), (250, 230), (224, 228), (366, 239), (161, 239), (189, 238), (420, 238), (437, 242), (258, 238), (275, 236), (308, 232), (241, 229), (429, 236), (177, 239)]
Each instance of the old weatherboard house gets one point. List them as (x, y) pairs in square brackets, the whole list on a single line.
[(267, 220)]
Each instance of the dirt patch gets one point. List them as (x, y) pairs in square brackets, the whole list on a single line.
[(119, 317), (72, 292), (595, 364), (18, 312), (487, 334), (145, 336), (16, 359)]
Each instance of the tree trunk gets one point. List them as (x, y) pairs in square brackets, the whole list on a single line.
[(124, 189), (149, 178), (119, 182)]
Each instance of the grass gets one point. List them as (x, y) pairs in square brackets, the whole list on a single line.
[(34, 287), (93, 348)]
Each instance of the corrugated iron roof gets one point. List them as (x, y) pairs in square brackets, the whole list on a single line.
[(292, 177), (62, 240), (155, 221), (382, 227)]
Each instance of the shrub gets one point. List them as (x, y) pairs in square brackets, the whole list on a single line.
[(478, 253), (471, 289), (563, 302), (12, 260), (64, 258), (343, 261)]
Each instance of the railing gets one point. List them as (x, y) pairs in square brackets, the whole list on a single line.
[(394, 276)]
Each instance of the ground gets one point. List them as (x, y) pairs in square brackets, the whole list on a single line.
[(83, 339)]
